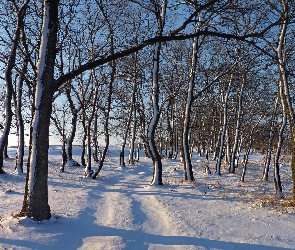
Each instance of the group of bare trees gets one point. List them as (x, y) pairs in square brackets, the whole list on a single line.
[(173, 76)]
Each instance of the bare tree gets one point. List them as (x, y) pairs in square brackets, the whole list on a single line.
[(10, 63)]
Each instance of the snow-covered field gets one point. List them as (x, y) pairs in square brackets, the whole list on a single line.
[(120, 210)]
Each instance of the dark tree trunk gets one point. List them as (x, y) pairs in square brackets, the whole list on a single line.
[(20, 122), (35, 203), (9, 87)]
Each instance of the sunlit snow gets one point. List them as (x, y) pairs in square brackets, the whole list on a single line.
[(120, 210)]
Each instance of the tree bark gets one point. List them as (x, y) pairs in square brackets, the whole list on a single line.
[(156, 157), (20, 122), (8, 82), (270, 143), (223, 130), (187, 113), (234, 156), (35, 203)]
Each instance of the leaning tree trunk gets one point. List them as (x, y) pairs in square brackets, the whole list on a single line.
[(106, 123), (8, 81), (35, 203), (108, 109)]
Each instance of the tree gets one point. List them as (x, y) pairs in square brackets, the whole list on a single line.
[(35, 203), (21, 12), (156, 157)]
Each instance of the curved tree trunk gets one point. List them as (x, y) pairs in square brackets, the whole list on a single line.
[(277, 177), (156, 157), (284, 86), (187, 114), (8, 82)]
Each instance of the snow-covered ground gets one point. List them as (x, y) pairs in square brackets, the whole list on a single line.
[(120, 210)]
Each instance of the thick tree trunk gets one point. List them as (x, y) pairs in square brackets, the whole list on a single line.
[(35, 204)]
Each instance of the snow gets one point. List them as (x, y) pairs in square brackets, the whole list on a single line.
[(121, 210)]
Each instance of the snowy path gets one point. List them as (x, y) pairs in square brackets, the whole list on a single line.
[(120, 210), (134, 215)]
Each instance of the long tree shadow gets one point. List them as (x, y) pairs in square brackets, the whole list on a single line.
[(71, 233)]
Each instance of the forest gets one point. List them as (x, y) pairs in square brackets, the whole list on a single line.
[(165, 76)]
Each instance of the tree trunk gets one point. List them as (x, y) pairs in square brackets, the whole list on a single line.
[(277, 177), (83, 162), (234, 156), (284, 87), (35, 203), (20, 122), (224, 127), (8, 82), (88, 171), (270, 142), (70, 139), (248, 149), (108, 109), (106, 123), (156, 157), (187, 113)]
